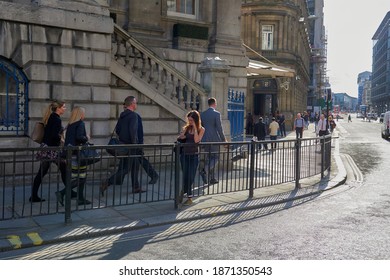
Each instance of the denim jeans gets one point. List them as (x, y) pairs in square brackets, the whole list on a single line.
[(189, 165), (273, 137)]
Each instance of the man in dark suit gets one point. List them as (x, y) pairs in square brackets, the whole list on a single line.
[(260, 132), (211, 121)]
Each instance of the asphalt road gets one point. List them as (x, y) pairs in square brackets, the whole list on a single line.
[(348, 223)]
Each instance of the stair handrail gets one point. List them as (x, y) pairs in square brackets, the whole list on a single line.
[(152, 55)]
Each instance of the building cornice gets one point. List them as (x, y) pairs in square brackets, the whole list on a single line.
[(61, 14)]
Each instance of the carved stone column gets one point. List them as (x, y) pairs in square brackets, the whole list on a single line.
[(227, 36), (214, 79)]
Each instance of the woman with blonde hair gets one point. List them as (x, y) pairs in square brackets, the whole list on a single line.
[(52, 137), (76, 135), (191, 133)]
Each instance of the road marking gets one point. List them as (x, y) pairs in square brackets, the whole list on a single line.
[(358, 175), (36, 239), (15, 241)]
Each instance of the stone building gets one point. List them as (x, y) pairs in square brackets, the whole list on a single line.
[(64, 51), (276, 32), (95, 53), (380, 92), (318, 66), (364, 88)]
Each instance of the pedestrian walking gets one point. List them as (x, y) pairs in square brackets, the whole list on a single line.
[(332, 124), (249, 123), (306, 119), (260, 132), (322, 130), (127, 130), (349, 118), (53, 131), (211, 121), (316, 120), (273, 132), (298, 126), (282, 125), (322, 127), (191, 134), (76, 135)]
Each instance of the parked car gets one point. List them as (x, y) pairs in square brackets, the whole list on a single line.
[(359, 115), (386, 125), (381, 117)]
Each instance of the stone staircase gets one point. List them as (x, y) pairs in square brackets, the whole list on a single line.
[(154, 77)]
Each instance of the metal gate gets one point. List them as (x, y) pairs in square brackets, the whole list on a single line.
[(236, 113)]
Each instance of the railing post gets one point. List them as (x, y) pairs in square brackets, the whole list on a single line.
[(297, 163), (329, 153), (252, 168), (68, 189), (177, 173), (322, 143)]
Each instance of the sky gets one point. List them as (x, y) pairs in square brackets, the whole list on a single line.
[(350, 26)]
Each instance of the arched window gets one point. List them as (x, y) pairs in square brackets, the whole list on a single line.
[(13, 99)]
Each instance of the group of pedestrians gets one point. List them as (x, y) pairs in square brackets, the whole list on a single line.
[(275, 128), (53, 135), (200, 127), (130, 131), (205, 127)]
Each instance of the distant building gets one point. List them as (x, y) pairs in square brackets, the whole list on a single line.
[(277, 32), (380, 93), (347, 103), (318, 63), (363, 79)]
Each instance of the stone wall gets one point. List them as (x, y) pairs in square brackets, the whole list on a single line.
[(64, 49)]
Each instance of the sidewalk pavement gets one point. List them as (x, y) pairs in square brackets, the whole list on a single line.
[(50, 229)]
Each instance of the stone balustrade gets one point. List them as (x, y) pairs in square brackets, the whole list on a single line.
[(156, 72)]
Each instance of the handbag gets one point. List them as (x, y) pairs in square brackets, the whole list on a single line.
[(114, 141), (38, 132), (87, 156), (46, 154), (176, 147)]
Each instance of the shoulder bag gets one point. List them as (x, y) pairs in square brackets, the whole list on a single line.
[(87, 155), (114, 141), (38, 132)]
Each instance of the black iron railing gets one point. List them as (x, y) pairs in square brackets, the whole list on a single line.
[(244, 169)]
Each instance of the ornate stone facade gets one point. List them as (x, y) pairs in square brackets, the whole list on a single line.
[(76, 51), (276, 31)]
